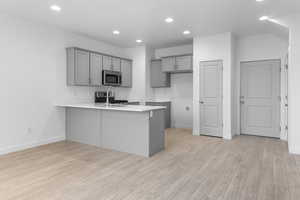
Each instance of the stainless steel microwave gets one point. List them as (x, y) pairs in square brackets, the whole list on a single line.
[(111, 78)]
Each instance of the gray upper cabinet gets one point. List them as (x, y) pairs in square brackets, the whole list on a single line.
[(84, 67), (168, 64), (158, 78), (126, 70), (177, 64), (95, 69), (82, 71), (107, 63), (184, 63), (78, 67), (116, 64)]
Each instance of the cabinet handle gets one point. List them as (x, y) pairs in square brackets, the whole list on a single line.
[(201, 102)]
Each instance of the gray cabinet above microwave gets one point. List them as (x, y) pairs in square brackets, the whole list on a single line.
[(84, 67)]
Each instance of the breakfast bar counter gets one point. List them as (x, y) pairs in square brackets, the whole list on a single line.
[(132, 129)]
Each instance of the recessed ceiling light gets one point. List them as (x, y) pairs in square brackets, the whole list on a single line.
[(55, 8), (169, 20), (264, 18), (260, 0), (139, 41), (116, 32), (186, 32)]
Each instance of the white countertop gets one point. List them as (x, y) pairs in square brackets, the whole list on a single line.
[(158, 100), (100, 106)]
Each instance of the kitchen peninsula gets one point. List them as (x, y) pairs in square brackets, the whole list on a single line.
[(134, 129)]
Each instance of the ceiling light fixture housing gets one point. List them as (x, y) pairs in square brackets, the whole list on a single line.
[(169, 20), (116, 32), (139, 41), (264, 18), (55, 8), (186, 32), (260, 0)]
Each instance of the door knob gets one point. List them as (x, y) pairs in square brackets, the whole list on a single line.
[(201, 102)]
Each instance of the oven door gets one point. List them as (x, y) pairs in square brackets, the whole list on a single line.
[(111, 78)]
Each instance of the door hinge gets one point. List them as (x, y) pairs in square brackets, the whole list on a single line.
[(280, 69), (286, 128), (286, 66), (279, 128), (279, 98)]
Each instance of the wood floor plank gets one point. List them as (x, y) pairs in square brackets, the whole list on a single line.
[(191, 168)]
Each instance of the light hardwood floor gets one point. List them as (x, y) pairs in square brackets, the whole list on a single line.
[(190, 168)]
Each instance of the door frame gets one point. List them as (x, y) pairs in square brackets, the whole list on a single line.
[(283, 71), (222, 96)]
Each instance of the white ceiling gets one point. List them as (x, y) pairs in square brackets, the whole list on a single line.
[(144, 19)]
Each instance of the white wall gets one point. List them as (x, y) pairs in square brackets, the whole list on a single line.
[(260, 47), (293, 23), (180, 92), (171, 51), (150, 93), (138, 92), (33, 78), (217, 47)]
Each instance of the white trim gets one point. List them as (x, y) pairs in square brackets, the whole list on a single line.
[(294, 150), (183, 125), (224, 136), (15, 148), (283, 84)]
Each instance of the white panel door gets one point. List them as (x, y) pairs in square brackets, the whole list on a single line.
[(211, 119), (260, 98)]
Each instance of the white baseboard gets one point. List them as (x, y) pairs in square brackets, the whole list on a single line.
[(187, 126), (15, 148), (295, 151)]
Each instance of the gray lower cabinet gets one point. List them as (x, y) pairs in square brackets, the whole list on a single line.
[(167, 111), (83, 125), (138, 133), (95, 69), (158, 78), (78, 67), (126, 70)]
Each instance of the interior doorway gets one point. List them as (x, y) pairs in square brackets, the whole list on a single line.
[(211, 100), (260, 98)]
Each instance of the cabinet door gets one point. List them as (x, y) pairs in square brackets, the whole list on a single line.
[(167, 111), (126, 70), (83, 125), (157, 77), (168, 64), (184, 63), (116, 64), (82, 67), (107, 63), (95, 69)]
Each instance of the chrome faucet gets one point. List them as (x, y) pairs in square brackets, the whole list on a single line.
[(107, 95)]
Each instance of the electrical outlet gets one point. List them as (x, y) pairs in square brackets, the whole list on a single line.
[(29, 130)]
